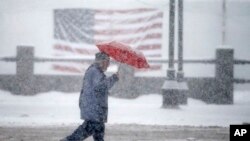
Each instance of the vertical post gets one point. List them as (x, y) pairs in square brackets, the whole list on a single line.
[(24, 70), (24, 64), (224, 76), (183, 87), (180, 73), (170, 86), (171, 70), (224, 18)]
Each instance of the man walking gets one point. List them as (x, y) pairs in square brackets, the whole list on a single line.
[(93, 101)]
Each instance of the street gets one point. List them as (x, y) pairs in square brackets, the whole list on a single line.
[(120, 132)]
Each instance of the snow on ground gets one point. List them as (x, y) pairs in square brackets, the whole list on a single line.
[(56, 108)]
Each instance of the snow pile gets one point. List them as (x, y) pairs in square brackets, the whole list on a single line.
[(56, 108)]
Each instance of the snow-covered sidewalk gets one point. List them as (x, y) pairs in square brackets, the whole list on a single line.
[(56, 108)]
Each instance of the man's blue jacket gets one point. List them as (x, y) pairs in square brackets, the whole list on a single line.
[(93, 101)]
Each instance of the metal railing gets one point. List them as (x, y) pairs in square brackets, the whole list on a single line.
[(150, 60)]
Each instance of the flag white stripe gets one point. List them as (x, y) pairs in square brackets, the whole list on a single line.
[(76, 45), (132, 36), (123, 26)]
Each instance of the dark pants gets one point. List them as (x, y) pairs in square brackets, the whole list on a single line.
[(87, 129)]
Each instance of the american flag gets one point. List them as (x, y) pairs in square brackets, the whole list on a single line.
[(76, 31)]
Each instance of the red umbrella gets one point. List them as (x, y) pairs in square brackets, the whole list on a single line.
[(124, 54)]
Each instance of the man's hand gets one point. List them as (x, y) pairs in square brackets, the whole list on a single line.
[(118, 72)]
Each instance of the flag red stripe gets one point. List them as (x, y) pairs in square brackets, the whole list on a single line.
[(152, 68), (131, 11), (134, 40), (153, 55), (64, 48), (149, 47), (66, 68), (74, 50), (155, 67)]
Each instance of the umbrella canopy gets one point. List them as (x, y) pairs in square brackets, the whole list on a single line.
[(124, 53)]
